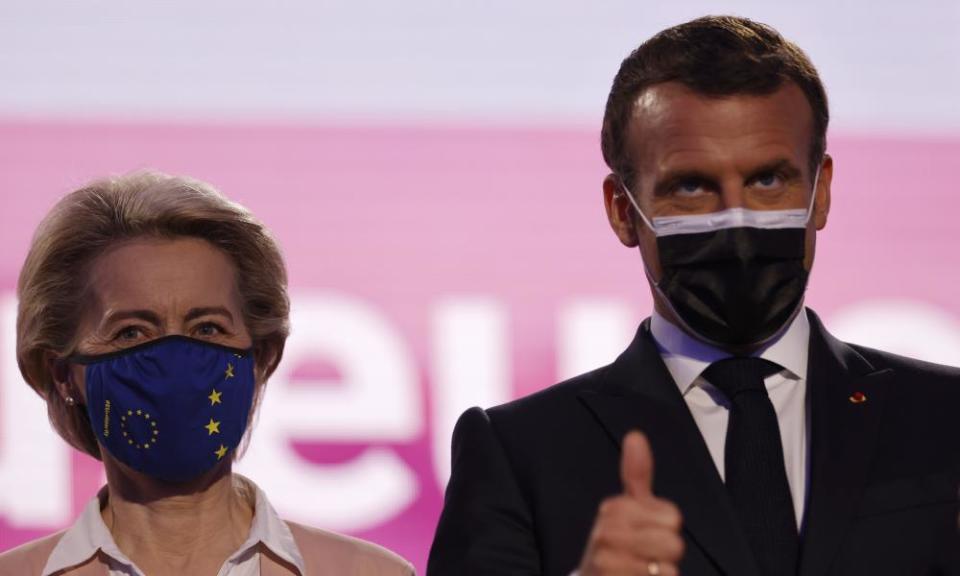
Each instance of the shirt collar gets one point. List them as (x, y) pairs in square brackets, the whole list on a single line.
[(686, 357), (84, 539), (89, 534), (268, 529)]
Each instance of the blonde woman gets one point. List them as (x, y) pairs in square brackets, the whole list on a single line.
[(152, 311)]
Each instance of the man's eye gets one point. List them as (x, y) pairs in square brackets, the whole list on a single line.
[(689, 188), (768, 181)]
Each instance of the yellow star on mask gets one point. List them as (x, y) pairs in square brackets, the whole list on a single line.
[(213, 427), (214, 397), (220, 452), (229, 371)]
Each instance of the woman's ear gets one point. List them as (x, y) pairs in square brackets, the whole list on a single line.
[(63, 385)]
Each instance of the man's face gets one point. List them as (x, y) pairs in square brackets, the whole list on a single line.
[(696, 154)]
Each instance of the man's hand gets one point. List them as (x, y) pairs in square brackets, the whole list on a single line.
[(636, 532)]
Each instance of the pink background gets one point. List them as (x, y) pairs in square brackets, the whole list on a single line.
[(402, 217)]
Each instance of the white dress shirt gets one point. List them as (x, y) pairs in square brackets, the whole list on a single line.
[(89, 534), (686, 359)]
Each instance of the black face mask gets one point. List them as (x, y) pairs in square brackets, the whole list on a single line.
[(734, 287)]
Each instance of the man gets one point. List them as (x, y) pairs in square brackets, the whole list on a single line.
[(734, 436)]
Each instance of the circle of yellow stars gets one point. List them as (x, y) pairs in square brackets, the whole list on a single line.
[(145, 416)]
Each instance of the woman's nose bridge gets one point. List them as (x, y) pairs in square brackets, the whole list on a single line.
[(171, 321)]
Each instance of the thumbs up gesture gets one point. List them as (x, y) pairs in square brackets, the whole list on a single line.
[(635, 532)]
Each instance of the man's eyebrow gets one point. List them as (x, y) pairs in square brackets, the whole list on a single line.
[(195, 313), (671, 178), (783, 165)]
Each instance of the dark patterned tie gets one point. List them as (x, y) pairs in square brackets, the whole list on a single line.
[(755, 476)]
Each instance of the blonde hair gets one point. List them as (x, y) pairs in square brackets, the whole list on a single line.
[(52, 288)]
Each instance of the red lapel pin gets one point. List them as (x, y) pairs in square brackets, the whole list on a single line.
[(858, 398)]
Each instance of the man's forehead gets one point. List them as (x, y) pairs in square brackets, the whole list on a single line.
[(670, 115), (673, 103)]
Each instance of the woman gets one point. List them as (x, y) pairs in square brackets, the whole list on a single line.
[(152, 311)]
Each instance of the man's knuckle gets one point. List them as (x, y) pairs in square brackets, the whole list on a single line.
[(604, 560), (669, 570), (674, 548), (601, 536), (672, 516), (607, 507)]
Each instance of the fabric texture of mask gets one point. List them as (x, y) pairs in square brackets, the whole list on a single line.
[(735, 286), (171, 408), (734, 278)]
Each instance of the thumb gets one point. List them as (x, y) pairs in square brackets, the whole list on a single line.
[(636, 465)]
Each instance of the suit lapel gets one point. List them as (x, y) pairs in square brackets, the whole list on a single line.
[(843, 442), (639, 393)]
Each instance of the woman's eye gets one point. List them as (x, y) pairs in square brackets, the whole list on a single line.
[(209, 329), (128, 333)]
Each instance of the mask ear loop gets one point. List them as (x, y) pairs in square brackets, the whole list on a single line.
[(656, 285), (636, 207), (806, 222), (649, 224), (813, 197)]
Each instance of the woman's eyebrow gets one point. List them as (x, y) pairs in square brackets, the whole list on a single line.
[(195, 313), (118, 315)]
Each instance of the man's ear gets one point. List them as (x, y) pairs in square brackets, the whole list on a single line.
[(620, 212), (821, 207)]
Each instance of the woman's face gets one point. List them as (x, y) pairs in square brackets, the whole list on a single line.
[(144, 289)]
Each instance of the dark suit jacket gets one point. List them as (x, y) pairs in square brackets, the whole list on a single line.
[(528, 476)]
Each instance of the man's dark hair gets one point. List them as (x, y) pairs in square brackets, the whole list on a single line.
[(713, 56)]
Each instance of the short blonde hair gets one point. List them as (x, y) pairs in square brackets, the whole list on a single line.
[(52, 288)]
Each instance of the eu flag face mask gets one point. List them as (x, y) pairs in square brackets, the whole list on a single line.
[(733, 278), (171, 408)]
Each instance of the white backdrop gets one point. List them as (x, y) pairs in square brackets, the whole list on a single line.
[(888, 65)]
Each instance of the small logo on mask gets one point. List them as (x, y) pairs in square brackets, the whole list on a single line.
[(150, 424)]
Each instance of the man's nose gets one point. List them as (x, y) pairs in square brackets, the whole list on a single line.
[(733, 194)]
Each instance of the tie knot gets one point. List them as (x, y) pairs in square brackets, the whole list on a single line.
[(740, 374)]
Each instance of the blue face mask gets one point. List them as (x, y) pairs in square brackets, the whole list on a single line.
[(171, 408)]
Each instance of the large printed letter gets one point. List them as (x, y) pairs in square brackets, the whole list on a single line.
[(377, 399), (908, 327), (470, 367), (34, 461), (592, 332)]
